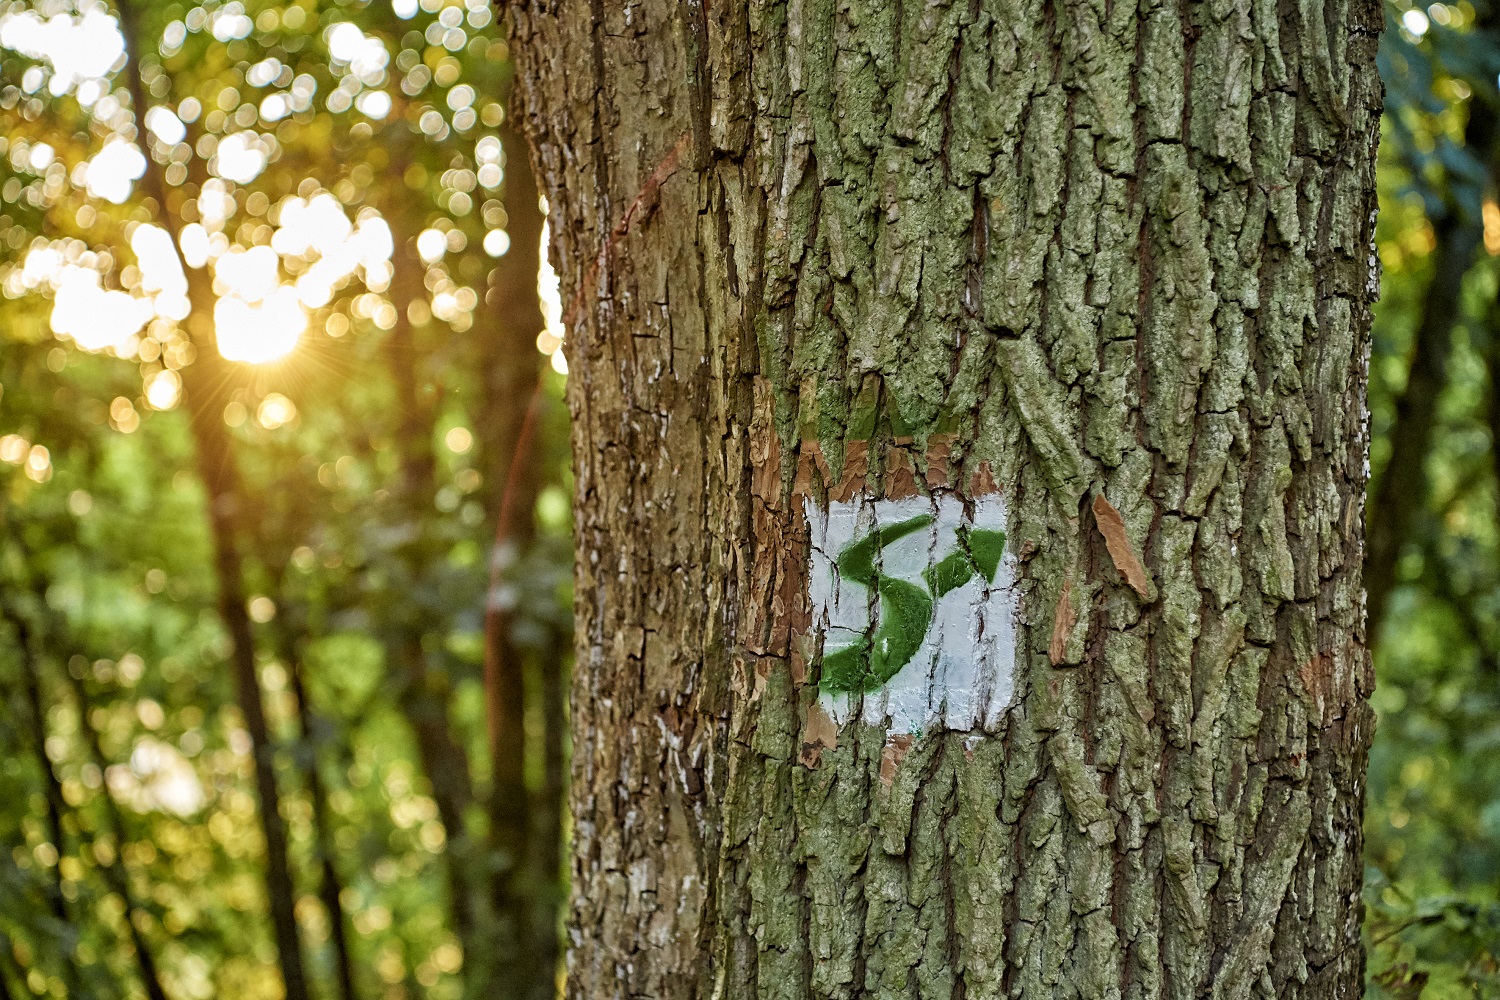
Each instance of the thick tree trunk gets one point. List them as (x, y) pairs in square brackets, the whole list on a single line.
[(853, 289), (548, 819)]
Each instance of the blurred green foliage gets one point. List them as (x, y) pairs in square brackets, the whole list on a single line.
[(106, 565), (1433, 813), (110, 635)]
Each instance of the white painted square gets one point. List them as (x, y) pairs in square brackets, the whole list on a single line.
[(961, 676)]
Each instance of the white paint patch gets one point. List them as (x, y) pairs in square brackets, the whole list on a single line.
[(961, 674)]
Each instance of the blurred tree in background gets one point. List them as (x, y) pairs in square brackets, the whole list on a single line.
[(276, 438), (282, 489), (1433, 573)]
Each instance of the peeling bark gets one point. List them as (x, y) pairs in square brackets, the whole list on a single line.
[(822, 253)]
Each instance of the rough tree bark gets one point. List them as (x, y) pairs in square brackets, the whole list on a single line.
[(1104, 268)]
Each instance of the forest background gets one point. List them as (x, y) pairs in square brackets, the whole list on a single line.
[(327, 567)]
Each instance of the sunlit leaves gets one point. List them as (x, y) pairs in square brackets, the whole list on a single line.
[(111, 172), (74, 48), (304, 148)]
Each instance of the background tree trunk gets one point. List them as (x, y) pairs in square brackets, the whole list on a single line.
[(510, 368), (206, 389), (114, 870), (29, 655), (309, 745), (426, 693), (1110, 262), (1401, 489)]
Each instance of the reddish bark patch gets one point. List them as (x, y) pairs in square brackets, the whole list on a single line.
[(1063, 620), (1332, 681), (1112, 527), (896, 749), (906, 472), (819, 733)]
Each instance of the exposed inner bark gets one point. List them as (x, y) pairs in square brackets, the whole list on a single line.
[(1114, 257)]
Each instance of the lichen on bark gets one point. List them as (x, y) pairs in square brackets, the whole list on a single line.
[(1100, 256)]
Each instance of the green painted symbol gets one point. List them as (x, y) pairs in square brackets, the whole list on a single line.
[(905, 609)]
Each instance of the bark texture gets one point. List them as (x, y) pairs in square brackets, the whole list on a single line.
[(1112, 260)]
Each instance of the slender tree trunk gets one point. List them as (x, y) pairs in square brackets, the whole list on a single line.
[(114, 871), (206, 385), (969, 442), (330, 886), (426, 698), (31, 680), (7, 964), (1401, 491), (507, 426), (205, 391), (1439, 580), (1492, 370), (51, 788)]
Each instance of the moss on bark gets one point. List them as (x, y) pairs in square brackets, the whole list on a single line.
[(1077, 252)]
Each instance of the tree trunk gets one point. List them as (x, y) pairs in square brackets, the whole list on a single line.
[(853, 290), (7, 968), (206, 389), (507, 423), (330, 885), (1401, 490), (115, 873), (426, 695), (29, 654)]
